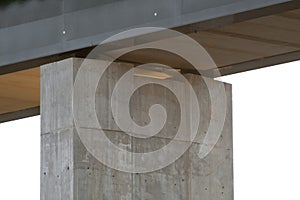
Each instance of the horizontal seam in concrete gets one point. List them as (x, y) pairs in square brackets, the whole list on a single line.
[(158, 137)]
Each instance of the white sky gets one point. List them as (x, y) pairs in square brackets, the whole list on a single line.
[(266, 140)]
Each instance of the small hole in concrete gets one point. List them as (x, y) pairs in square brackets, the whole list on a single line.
[(45, 173), (182, 180), (205, 188), (113, 176), (145, 181), (68, 168)]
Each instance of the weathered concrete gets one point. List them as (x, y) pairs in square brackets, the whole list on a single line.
[(70, 172)]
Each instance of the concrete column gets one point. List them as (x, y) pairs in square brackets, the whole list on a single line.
[(70, 172)]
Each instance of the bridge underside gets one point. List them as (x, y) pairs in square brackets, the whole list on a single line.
[(238, 42)]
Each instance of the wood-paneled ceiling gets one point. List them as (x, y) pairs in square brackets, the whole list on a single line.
[(19, 90), (231, 46)]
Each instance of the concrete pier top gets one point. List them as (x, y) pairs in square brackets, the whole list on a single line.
[(83, 160)]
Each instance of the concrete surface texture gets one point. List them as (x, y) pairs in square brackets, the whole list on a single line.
[(70, 172)]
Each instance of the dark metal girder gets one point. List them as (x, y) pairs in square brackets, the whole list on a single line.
[(37, 36), (30, 112)]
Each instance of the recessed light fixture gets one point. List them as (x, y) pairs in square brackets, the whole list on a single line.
[(151, 74)]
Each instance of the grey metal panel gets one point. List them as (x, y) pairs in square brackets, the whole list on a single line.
[(31, 40), (16, 12), (221, 10), (111, 17), (38, 30), (190, 6), (33, 35), (73, 5)]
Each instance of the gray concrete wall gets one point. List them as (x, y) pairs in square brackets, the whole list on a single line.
[(70, 172)]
